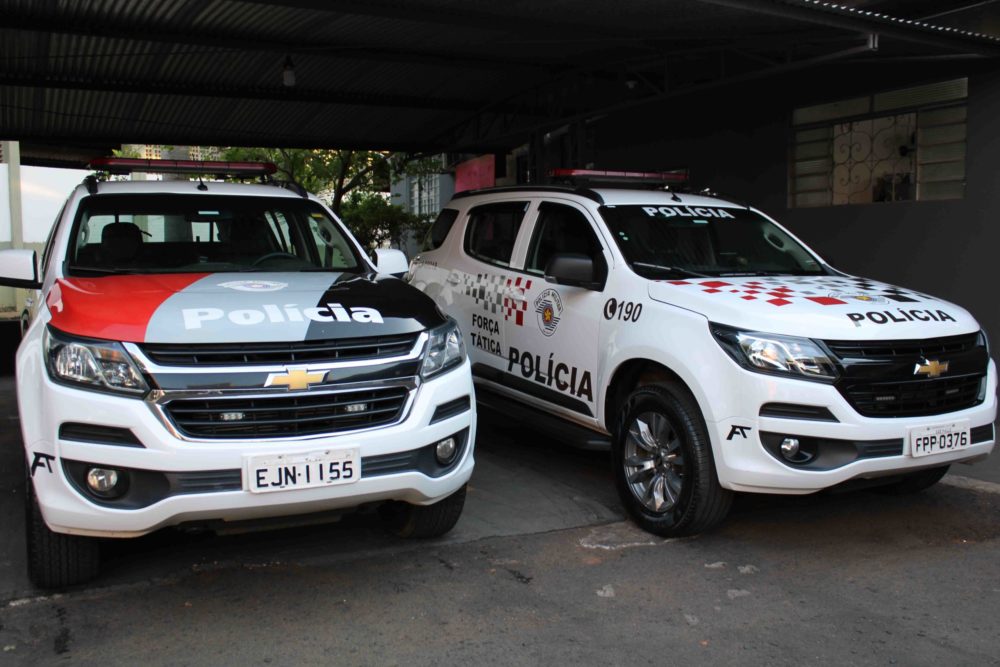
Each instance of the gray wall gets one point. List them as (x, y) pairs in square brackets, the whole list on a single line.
[(738, 142)]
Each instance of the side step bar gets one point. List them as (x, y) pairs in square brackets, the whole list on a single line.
[(508, 409)]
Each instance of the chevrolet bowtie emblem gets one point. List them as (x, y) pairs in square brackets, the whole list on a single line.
[(295, 378), (932, 368)]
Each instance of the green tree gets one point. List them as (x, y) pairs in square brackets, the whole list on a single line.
[(374, 221), (342, 171)]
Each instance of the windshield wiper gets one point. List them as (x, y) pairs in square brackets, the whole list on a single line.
[(672, 269), (109, 270)]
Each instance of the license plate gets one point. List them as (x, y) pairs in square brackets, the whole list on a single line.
[(939, 438), (283, 472)]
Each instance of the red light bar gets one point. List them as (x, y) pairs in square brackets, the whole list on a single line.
[(127, 165), (676, 176)]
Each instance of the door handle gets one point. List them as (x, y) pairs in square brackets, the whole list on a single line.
[(515, 294), (453, 279)]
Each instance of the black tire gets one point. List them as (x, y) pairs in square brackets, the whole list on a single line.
[(914, 482), (700, 503), (423, 521), (56, 560)]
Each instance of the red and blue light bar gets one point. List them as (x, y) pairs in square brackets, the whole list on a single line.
[(674, 176), (128, 165)]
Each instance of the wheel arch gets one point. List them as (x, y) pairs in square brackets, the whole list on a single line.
[(632, 374)]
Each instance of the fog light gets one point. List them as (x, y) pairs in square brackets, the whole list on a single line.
[(790, 448), (445, 451), (103, 482)]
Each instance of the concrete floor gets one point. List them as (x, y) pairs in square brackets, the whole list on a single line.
[(542, 568)]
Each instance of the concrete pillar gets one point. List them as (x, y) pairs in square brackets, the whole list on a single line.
[(12, 299), (12, 156)]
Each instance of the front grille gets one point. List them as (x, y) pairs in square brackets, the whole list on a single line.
[(205, 481), (913, 398), (286, 415), (880, 378), (313, 352), (896, 349)]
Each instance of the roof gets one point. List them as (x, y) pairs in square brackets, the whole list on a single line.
[(191, 188), (420, 75), (616, 196)]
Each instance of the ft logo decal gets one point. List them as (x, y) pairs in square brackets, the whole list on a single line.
[(42, 461), (735, 430)]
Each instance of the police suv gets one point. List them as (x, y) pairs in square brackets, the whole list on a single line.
[(718, 351), (213, 352)]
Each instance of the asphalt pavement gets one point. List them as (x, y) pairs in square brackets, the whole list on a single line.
[(542, 568)]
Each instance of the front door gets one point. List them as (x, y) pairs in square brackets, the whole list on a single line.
[(553, 350)]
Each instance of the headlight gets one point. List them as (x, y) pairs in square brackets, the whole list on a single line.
[(444, 350), (773, 353), (94, 364)]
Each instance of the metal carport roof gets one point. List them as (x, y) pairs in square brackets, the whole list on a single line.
[(417, 75)]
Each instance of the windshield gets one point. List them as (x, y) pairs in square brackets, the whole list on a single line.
[(170, 233), (705, 241)]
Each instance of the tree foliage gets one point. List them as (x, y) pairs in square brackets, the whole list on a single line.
[(353, 182), (375, 222), (340, 171)]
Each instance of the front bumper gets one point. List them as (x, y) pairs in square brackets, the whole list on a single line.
[(745, 464), (68, 509)]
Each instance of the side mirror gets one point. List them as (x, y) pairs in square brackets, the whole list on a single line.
[(19, 268), (573, 270), (392, 262)]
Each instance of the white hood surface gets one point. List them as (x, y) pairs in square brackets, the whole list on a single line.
[(830, 307)]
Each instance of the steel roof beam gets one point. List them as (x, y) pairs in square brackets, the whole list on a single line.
[(243, 42), (184, 89), (457, 15), (862, 21), (454, 137)]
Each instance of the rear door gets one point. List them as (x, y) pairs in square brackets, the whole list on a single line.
[(482, 282)]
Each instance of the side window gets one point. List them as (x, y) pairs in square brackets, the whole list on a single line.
[(561, 229), (439, 230), (492, 231)]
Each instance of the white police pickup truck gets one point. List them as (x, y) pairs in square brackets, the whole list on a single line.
[(718, 351), (210, 352)]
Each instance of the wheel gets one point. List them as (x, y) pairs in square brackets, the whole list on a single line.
[(422, 521), (56, 560), (664, 469), (914, 482)]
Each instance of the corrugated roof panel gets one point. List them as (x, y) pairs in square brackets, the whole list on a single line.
[(384, 55)]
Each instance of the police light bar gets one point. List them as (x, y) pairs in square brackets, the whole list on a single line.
[(674, 176), (127, 165)]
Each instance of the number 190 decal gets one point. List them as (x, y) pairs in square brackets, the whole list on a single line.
[(626, 311)]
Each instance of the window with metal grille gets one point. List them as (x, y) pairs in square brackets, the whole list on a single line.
[(424, 194), (900, 145)]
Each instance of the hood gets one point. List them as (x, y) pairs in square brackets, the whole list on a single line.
[(831, 307), (237, 308)]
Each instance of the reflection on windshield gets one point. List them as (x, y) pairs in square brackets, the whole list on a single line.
[(203, 233), (686, 241)]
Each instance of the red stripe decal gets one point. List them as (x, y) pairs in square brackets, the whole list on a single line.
[(113, 307)]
